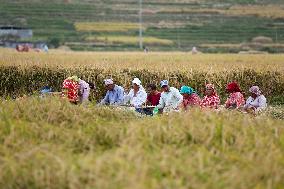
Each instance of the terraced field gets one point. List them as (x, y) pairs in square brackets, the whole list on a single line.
[(184, 23)]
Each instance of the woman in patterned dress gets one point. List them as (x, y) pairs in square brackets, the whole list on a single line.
[(256, 103), (211, 98), (70, 89), (236, 98), (190, 98)]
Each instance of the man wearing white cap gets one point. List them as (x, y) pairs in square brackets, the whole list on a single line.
[(137, 96), (114, 95), (170, 98)]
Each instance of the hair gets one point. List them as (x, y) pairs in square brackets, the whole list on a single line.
[(92, 85), (152, 86)]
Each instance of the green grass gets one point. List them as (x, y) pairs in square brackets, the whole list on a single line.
[(49, 143), (232, 30)]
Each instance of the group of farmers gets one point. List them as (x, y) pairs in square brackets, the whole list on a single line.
[(168, 100)]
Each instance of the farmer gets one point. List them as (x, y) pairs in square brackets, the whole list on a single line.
[(154, 95), (70, 89), (114, 95), (76, 90), (137, 96), (84, 91), (170, 98), (194, 50), (45, 48), (190, 98), (236, 98), (153, 99), (256, 102), (211, 98)]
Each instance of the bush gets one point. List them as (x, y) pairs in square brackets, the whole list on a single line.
[(55, 42), (262, 39)]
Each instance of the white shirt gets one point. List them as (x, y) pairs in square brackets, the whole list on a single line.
[(259, 103), (84, 90), (138, 100), (170, 100)]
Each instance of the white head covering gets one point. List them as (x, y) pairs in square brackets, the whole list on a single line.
[(136, 81), (164, 82), (108, 81), (255, 90)]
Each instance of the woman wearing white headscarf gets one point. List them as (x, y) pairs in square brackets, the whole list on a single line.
[(137, 96), (256, 102)]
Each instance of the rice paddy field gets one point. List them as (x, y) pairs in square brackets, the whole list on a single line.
[(50, 143), (26, 73)]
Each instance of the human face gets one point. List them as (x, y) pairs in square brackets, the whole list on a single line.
[(150, 91), (135, 87), (209, 91), (165, 88), (185, 95), (110, 87), (253, 95)]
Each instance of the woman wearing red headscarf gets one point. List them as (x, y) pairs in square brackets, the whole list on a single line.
[(236, 98), (211, 98)]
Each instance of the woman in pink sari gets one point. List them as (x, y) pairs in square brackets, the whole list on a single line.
[(211, 98), (236, 98)]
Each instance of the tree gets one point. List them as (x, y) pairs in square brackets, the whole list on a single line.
[(55, 42)]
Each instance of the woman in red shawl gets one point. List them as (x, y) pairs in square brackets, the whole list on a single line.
[(211, 98), (70, 89), (236, 98)]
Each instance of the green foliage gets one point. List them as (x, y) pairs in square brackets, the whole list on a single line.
[(55, 42)]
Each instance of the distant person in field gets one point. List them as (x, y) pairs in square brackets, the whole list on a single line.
[(256, 102), (137, 96), (19, 48), (194, 50), (236, 99), (146, 50), (22, 48), (170, 98), (154, 95), (190, 98), (26, 48), (211, 98), (114, 95), (45, 48)]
